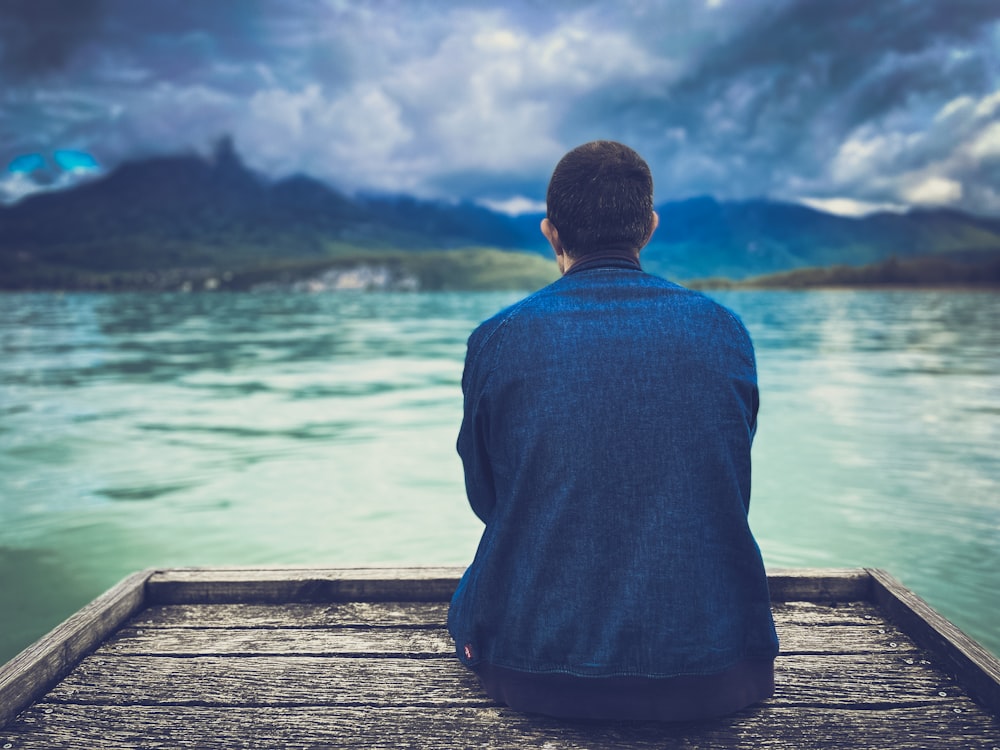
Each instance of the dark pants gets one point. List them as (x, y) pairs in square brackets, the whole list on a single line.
[(684, 698)]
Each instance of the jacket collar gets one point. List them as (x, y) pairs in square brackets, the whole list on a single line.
[(610, 259)]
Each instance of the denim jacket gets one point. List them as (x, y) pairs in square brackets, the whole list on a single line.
[(606, 446)]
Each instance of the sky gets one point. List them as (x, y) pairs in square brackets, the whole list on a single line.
[(850, 106)]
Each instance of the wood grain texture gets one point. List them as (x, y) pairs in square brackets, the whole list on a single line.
[(301, 658), (976, 667), (376, 642), (422, 615), (284, 585), (62, 727), (869, 680), (296, 615), (26, 677), (818, 585), (876, 636)]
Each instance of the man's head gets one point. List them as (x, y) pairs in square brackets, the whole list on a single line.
[(600, 199)]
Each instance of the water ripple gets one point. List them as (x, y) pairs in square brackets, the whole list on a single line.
[(146, 430)]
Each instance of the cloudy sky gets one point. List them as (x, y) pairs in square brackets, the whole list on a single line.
[(849, 105)]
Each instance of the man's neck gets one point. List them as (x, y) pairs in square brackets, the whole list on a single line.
[(620, 257)]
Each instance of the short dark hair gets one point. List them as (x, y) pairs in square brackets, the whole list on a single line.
[(601, 197)]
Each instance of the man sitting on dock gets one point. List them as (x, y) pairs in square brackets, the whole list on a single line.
[(606, 445)]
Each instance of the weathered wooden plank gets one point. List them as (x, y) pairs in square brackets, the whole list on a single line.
[(254, 585), (26, 677), (873, 680), (842, 639), (423, 615), (295, 615), (817, 614), (975, 667), (795, 639), (297, 641), (256, 680), (291, 642), (279, 585), (61, 727), (818, 585)]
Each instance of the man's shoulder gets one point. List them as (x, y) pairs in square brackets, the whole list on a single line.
[(492, 325), (538, 300), (657, 295), (696, 301), (670, 294)]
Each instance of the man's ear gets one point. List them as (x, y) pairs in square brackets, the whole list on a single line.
[(652, 228), (552, 235)]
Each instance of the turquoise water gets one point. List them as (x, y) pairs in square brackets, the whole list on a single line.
[(233, 429)]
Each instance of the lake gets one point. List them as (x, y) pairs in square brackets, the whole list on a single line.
[(143, 430)]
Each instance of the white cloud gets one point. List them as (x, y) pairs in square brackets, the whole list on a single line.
[(988, 105), (487, 97), (350, 137), (75, 176), (166, 118), (15, 186), (865, 158), (940, 163), (515, 206), (491, 96), (850, 206), (986, 144), (933, 190), (957, 105)]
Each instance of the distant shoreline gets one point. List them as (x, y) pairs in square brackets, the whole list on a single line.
[(977, 271), (736, 286), (206, 286), (486, 269), (470, 269)]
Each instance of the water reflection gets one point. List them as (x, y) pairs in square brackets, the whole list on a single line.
[(142, 430)]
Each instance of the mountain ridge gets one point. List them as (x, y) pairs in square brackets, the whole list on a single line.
[(189, 211)]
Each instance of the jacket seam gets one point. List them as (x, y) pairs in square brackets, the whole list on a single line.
[(499, 331)]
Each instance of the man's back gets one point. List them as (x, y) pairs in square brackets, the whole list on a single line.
[(606, 446), (614, 412)]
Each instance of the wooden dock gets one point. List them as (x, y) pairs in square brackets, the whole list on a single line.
[(283, 658)]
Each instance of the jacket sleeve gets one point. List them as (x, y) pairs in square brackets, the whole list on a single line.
[(472, 437)]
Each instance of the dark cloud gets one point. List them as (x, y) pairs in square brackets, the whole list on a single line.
[(765, 106), (865, 57), (842, 40), (885, 102), (39, 36)]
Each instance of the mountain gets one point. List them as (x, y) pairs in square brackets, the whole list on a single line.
[(702, 237), (183, 213), (187, 210)]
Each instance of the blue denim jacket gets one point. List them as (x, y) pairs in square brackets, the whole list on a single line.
[(606, 445)]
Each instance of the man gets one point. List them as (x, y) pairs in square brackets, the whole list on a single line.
[(606, 445)]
